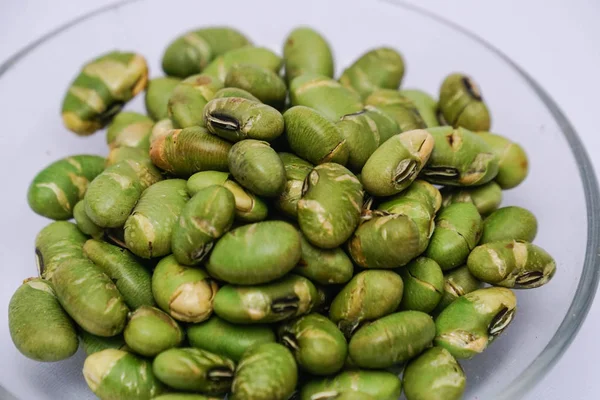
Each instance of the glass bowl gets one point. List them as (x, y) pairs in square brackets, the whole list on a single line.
[(561, 189)]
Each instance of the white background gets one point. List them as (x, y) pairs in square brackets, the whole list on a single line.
[(557, 42)]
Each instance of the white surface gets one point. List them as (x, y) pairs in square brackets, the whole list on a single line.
[(552, 40)]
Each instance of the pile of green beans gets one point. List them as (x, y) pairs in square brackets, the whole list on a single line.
[(266, 235)]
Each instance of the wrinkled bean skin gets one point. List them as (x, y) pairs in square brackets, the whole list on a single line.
[(261, 56), (427, 106), (93, 344), (382, 67), (255, 254), (386, 241), (324, 95), (313, 137), (113, 194), (434, 375), (396, 163), (420, 212), (263, 83), (423, 285), (160, 129), (296, 171), (187, 101), (509, 223), (368, 296), (398, 107), (257, 167), (207, 216), (317, 344), (248, 206), (124, 153), (56, 189), (39, 327), (457, 232), (512, 263), (94, 303), (513, 164), (236, 118), (183, 152), (104, 85), (457, 282), (84, 223), (364, 131), (330, 206), (150, 331), (421, 191), (190, 53), (326, 267), (486, 198), (265, 372), (157, 96), (461, 103), (283, 299), (235, 92), (391, 340), (306, 51), (129, 129), (186, 294), (115, 374), (382, 385), (193, 369), (362, 138), (56, 243), (472, 322), (132, 279), (149, 228), (460, 158), (226, 339), (386, 125)]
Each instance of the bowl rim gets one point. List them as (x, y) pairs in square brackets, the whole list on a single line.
[(590, 276)]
